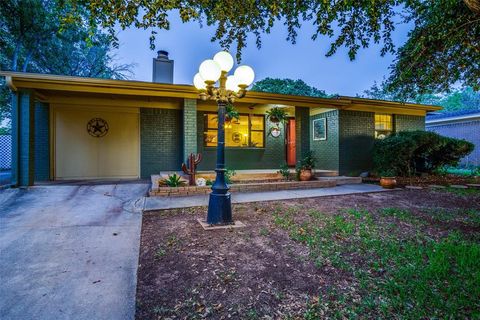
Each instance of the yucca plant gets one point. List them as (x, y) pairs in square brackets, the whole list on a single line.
[(174, 180)]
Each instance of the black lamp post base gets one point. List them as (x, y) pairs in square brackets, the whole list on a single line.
[(219, 209)]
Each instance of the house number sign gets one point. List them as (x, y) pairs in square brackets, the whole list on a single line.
[(97, 127)]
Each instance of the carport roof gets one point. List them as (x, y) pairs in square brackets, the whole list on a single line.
[(43, 84)]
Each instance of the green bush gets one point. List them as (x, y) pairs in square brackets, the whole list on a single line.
[(411, 152)]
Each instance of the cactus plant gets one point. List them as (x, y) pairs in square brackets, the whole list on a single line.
[(193, 161)]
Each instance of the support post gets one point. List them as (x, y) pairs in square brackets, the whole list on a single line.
[(23, 139), (15, 131), (302, 132), (189, 128)]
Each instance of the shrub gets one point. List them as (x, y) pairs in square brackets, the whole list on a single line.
[(410, 152), (229, 173), (284, 171)]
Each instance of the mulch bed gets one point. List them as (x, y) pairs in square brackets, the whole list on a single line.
[(188, 273), (425, 181)]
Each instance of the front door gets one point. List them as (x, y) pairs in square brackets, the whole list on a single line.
[(290, 136)]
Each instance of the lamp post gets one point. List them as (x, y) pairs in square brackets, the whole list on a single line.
[(230, 88)]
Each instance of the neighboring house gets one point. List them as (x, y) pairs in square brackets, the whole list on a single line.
[(460, 125), (82, 128)]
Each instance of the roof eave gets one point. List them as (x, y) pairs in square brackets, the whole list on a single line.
[(19, 80)]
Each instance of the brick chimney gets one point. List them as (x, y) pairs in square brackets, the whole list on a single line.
[(162, 68)]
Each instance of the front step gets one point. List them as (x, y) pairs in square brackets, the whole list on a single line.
[(246, 175), (344, 180), (267, 175), (326, 173)]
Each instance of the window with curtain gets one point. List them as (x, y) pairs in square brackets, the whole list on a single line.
[(383, 125), (246, 132)]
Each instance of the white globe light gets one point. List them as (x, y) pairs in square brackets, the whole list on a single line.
[(225, 60), (232, 83), (244, 75), (198, 82), (210, 70)]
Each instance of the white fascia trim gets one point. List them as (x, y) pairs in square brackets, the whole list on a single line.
[(474, 116)]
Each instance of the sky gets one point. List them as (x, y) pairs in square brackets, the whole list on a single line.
[(189, 44)]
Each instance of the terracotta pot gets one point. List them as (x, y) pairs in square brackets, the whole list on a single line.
[(388, 182), (306, 174)]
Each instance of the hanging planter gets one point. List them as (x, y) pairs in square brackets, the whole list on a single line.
[(230, 113), (277, 115)]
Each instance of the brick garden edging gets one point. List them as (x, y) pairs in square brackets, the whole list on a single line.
[(250, 187)]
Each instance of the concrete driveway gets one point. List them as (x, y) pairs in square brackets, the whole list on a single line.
[(70, 252)]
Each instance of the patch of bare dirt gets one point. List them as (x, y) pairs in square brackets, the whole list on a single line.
[(188, 273)]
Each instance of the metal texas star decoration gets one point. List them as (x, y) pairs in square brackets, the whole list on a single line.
[(97, 127)]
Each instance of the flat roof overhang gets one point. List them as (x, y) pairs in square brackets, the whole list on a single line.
[(43, 84)]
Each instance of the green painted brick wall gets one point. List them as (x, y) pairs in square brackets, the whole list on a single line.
[(160, 140), (356, 139), (408, 123), (42, 145), (326, 151), (302, 132), (270, 157), (189, 128)]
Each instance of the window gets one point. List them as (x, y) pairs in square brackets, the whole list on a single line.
[(383, 125), (246, 132), (320, 129)]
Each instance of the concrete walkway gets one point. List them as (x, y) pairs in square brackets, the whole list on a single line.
[(70, 252), (161, 203)]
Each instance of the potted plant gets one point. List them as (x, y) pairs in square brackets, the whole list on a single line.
[(277, 115), (305, 169), (387, 179)]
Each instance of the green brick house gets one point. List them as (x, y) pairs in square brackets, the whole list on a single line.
[(68, 128)]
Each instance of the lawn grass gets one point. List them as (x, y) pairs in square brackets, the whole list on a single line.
[(412, 254), (462, 192), (405, 275)]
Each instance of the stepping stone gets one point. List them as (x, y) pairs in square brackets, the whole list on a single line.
[(413, 187), (436, 186), (473, 185), (458, 186)]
